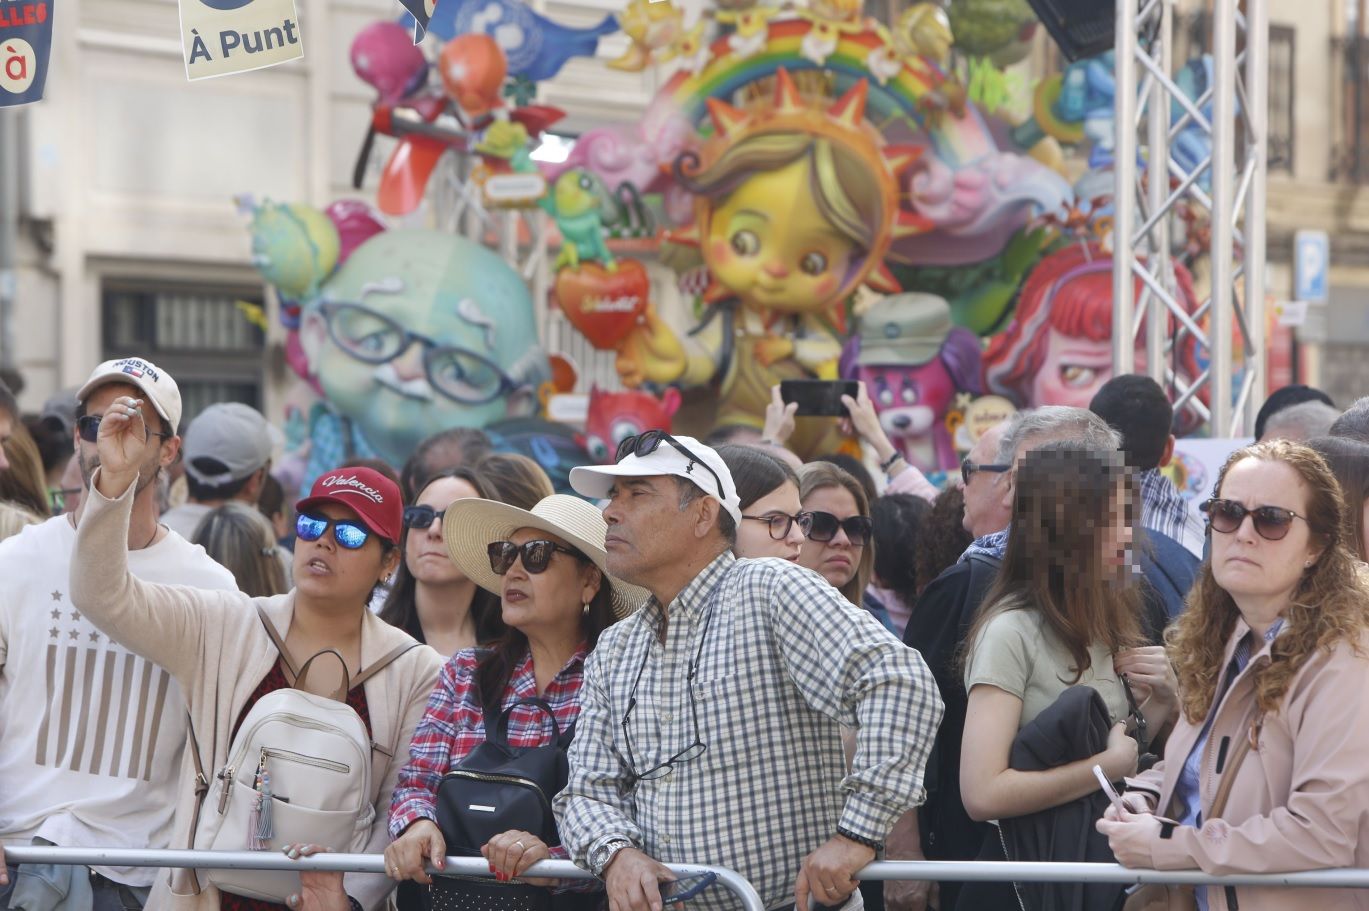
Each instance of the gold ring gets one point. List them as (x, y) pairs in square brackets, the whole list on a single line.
[(519, 844)]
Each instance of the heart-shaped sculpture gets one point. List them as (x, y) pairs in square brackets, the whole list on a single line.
[(603, 305)]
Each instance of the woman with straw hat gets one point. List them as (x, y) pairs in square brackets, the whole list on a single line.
[(547, 566)]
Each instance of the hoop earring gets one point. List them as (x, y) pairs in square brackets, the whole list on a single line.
[(586, 609)]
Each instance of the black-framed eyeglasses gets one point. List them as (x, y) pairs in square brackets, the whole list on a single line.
[(1271, 522), (422, 516), (822, 527), (968, 468), (347, 533), (88, 426), (644, 444), (697, 747), (536, 555), (780, 523), (457, 373)]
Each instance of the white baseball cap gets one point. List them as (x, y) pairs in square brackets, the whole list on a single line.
[(681, 457), (161, 390)]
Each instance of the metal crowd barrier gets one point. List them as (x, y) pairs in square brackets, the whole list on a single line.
[(1004, 871), (954, 871), (342, 863)]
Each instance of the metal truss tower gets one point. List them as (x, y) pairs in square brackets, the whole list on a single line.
[(1150, 113)]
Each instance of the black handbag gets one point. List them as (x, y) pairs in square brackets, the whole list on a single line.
[(495, 788)]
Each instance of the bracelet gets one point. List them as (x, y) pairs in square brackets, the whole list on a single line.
[(872, 844), (889, 462), (355, 905)]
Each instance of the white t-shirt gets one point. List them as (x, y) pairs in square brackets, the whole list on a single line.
[(91, 735)]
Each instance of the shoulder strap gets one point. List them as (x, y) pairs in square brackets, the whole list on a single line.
[(278, 642), (383, 662), (1229, 774), (500, 734)]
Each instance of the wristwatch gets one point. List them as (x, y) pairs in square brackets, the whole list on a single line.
[(604, 851)]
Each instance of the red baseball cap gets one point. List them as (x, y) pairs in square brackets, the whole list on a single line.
[(368, 493)]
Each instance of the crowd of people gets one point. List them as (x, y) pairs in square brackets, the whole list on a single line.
[(712, 654)]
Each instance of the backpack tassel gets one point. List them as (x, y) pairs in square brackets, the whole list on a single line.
[(260, 823)]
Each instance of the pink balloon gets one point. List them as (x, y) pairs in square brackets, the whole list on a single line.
[(356, 222), (384, 57)]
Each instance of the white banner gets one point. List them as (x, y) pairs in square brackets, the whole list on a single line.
[(220, 37)]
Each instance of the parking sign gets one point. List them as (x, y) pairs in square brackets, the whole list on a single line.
[(1311, 266)]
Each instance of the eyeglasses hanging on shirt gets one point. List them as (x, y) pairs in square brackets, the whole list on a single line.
[(696, 747)]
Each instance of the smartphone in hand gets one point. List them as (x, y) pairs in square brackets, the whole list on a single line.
[(818, 398), (1109, 790), (686, 887)]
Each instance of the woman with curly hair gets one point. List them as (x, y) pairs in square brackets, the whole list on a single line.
[(1265, 770)]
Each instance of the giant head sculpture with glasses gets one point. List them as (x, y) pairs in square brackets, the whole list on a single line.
[(672, 509), (419, 330)]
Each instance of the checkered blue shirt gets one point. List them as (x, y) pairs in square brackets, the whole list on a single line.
[(783, 660), (1164, 510)]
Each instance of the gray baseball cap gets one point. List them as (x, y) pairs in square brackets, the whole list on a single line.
[(232, 433)]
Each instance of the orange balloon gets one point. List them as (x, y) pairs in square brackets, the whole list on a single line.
[(473, 68)]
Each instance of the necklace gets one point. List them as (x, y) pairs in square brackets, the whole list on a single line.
[(156, 529)]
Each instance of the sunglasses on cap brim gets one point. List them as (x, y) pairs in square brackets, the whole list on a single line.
[(348, 533)]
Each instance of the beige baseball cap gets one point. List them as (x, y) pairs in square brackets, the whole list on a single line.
[(161, 390)]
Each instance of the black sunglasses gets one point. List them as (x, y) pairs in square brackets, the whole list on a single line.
[(348, 534), (968, 468), (697, 747), (780, 523), (644, 444), (536, 555), (88, 426), (421, 516), (1271, 522), (822, 527)]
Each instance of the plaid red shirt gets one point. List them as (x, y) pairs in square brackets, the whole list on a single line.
[(454, 724)]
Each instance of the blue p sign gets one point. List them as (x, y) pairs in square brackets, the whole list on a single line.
[(1311, 266)]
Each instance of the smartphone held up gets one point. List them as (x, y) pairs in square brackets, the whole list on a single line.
[(818, 398)]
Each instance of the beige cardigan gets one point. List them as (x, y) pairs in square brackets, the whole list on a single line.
[(214, 644)]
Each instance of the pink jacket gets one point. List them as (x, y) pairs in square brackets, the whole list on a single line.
[(1300, 800)]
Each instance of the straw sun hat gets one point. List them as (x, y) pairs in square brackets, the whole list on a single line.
[(471, 524)]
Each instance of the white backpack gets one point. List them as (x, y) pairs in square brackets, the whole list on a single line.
[(298, 772)]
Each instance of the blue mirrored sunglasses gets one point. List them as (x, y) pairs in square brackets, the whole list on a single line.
[(348, 534)]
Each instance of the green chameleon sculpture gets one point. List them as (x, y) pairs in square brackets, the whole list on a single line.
[(578, 200)]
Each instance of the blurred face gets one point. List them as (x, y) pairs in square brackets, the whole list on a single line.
[(835, 560), (1116, 535), (645, 528), (327, 571), (1253, 569), (425, 554), (552, 602), (754, 538), (159, 457)]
